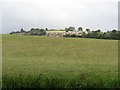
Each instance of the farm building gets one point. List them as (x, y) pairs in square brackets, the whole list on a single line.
[(62, 33)]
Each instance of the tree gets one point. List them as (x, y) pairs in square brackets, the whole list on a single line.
[(70, 29), (114, 31), (21, 30), (32, 29), (46, 29), (114, 34), (42, 30), (80, 29), (37, 29), (98, 31), (88, 30)]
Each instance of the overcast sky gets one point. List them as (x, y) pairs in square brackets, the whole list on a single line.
[(59, 14)]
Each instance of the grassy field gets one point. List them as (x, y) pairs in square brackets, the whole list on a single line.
[(59, 62)]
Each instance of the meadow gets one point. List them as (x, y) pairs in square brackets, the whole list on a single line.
[(46, 62)]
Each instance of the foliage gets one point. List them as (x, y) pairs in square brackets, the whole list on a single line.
[(37, 31), (98, 34), (80, 29), (70, 29), (86, 80), (33, 31)]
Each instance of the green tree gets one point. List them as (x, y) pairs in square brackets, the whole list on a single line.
[(32, 29), (70, 29), (88, 30), (114, 31), (37, 29), (80, 29), (22, 30), (98, 31), (46, 29)]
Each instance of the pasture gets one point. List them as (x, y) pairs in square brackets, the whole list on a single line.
[(59, 62)]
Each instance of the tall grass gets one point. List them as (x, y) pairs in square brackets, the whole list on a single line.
[(41, 81)]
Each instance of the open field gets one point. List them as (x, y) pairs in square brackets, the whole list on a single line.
[(69, 62)]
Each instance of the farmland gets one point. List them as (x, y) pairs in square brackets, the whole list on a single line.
[(73, 62)]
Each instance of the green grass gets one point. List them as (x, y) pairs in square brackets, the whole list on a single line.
[(65, 62)]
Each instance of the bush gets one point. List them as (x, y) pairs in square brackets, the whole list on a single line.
[(73, 35)]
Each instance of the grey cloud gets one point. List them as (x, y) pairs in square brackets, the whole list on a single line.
[(59, 14)]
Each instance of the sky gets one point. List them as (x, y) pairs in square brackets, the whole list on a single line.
[(58, 14)]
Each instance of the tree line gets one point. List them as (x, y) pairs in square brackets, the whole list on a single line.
[(87, 33), (32, 31), (98, 34)]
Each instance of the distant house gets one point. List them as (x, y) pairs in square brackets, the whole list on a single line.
[(77, 33), (55, 33), (62, 33)]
